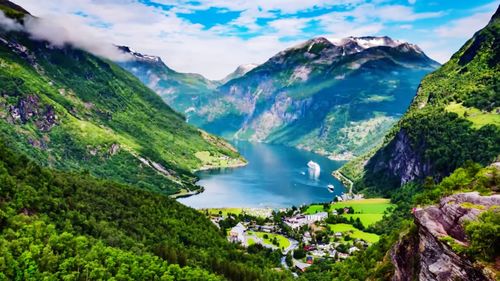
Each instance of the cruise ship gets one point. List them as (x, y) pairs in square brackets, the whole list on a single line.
[(314, 166)]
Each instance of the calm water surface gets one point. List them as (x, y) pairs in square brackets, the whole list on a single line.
[(276, 176)]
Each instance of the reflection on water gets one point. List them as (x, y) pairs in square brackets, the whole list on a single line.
[(314, 174), (276, 176)]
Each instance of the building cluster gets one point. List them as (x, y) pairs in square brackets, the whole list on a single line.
[(300, 220)]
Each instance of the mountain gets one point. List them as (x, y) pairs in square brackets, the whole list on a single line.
[(240, 71), (336, 98), (454, 118), (183, 91), (440, 166), (71, 110)]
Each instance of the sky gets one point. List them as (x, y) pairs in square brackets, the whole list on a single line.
[(214, 37)]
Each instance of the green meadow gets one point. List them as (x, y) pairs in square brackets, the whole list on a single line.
[(354, 232)]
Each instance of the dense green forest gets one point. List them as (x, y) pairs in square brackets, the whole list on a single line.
[(69, 225)]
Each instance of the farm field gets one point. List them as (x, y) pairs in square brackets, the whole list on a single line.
[(354, 232), (282, 240), (369, 211)]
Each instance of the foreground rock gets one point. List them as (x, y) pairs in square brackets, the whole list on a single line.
[(423, 254)]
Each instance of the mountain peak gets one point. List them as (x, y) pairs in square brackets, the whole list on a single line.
[(138, 56), (240, 71), (366, 42), (12, 7), (311, 42)]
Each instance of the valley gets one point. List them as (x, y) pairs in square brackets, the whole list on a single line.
[(337, 158), (336, 99)]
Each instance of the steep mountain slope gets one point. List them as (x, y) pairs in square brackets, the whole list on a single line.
[(334, 98), (184, 92), (453, 119), (71, 110), (444, 226)]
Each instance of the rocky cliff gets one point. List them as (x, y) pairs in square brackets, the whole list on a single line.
[(427, 254), (452, 119)]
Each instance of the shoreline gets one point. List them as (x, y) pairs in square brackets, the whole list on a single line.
[(181, 194), (187, 194), (343, 179), (232, 166)]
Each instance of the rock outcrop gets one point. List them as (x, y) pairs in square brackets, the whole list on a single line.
[(424, 254), (401, 160)]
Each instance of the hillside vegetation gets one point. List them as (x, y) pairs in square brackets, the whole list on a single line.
[(72, 226), (452, 120), (71, 110)]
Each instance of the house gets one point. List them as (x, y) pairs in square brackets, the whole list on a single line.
[(237, 233), (317, 217), (342, 255), (302, 266), (308, 248), (309, 260), (332, 253), (317, 253), (352, 250)]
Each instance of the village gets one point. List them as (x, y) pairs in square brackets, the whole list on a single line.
[(308, 234)]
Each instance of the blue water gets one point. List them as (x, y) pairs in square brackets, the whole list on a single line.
[(276, 177)]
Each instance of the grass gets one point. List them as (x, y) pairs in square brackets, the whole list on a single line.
[(476, 116), (282, 240), (313, 209), (366, 219), (354, 232), (365, 206), (225, 211), (369, 211), (220, 161), (250, 241)]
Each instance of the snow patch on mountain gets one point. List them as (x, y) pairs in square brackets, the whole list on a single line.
[(240, 71)]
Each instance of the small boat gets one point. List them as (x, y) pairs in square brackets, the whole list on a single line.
[(302, 173), (313, 165), (331, 188)]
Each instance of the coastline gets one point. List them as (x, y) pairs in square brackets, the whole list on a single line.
[(239, 164), (343, 179), (185, 194)]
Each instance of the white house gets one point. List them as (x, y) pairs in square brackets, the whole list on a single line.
[(317, 217), (237, 233)]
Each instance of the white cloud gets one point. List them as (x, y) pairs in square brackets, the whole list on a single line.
[(464, 27), (80, 36), (390, 13), (289, 26), (9, 24), (217, 51)]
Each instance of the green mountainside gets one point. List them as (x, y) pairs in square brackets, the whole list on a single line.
[(337, 99), (446, 223), (454, 118), (183, 91), (71, 110)]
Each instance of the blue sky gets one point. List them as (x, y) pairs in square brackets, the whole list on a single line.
[(214, 37)]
